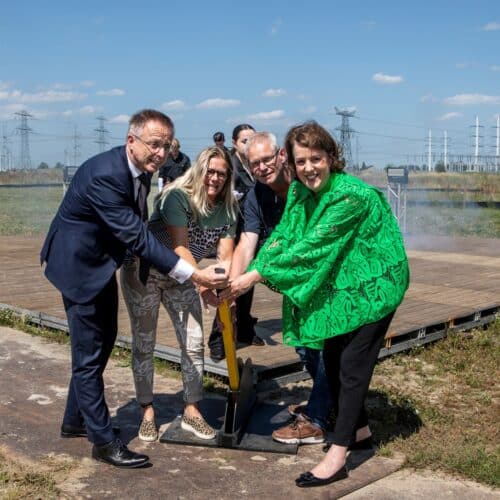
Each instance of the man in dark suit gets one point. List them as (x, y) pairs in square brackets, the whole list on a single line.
[(100, 218)]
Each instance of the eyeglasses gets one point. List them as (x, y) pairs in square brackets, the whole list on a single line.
[(155, 146), (267, 161), (215, 173)]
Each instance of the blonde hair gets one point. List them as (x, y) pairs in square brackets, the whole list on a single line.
[(192, 182)]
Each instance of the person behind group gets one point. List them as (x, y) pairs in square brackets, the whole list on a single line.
[(338, 258), (194, 214), (219, 140), (176, 165), (100, 218), (261, 212), (244, 182)]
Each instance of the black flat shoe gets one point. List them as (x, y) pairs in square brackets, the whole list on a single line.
[(308, 479), (117, 454), (363, 444)]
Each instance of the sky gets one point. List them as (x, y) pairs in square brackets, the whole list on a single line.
[(403, 68)]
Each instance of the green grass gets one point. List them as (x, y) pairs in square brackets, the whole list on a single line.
[(28, 211), (438, 405), (20, 481)]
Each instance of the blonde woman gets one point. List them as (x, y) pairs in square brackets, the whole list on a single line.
[(194, 214)]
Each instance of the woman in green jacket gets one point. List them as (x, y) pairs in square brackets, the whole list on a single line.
[(338, 258)]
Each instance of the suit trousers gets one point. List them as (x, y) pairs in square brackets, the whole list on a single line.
[(349, 363), (93, 329)]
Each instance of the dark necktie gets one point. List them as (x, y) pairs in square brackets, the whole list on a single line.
[(142, 203), (142, 195)]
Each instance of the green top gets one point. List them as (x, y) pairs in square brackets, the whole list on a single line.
[(338, 258), (174, 209)]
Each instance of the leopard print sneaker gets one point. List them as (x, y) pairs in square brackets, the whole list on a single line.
[(148, 431), (197, 426)]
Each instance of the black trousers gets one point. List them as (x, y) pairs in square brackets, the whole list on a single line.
[(93, 329), (349, 363)]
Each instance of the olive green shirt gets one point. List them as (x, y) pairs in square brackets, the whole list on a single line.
[(338, 258)]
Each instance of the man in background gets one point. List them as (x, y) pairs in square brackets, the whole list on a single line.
[(176, 164)]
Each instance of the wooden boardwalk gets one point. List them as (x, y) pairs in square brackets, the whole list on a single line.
[(451, 280)]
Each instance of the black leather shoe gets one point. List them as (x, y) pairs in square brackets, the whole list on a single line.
[(308, 479), (73, 431), (76, 431), (117, 454)]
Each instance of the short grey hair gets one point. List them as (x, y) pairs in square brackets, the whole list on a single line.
[(261, 137)]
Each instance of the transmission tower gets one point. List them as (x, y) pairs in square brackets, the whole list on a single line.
[(24, 131), (76, 146), (497, 143), (345, 134), (477, 146), (101, 134), (6, 156)]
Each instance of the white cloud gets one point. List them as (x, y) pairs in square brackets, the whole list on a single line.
[(449, 116), (495, 67), (276, 26), (45, 96), (274, 92), (493, 26), (267, 115), (111, 92), (61, 86), (173, 105), (88, 110), (4, 85), (466, 99), (84, 110), (87, 83), (120, 119), (217, 102), (462, 65), (387, 79)]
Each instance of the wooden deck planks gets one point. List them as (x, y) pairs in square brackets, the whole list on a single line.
[(453, 279)]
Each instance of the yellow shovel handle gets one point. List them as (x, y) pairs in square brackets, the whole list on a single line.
[(229, 345)]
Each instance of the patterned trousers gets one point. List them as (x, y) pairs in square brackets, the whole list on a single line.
[(182, 303)]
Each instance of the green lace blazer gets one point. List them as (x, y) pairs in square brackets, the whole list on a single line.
[(338, 258)]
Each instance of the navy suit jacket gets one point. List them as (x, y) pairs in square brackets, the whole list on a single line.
[(98, 220)]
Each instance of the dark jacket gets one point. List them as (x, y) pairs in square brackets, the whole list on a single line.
[(243, 181), (98, 220)]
